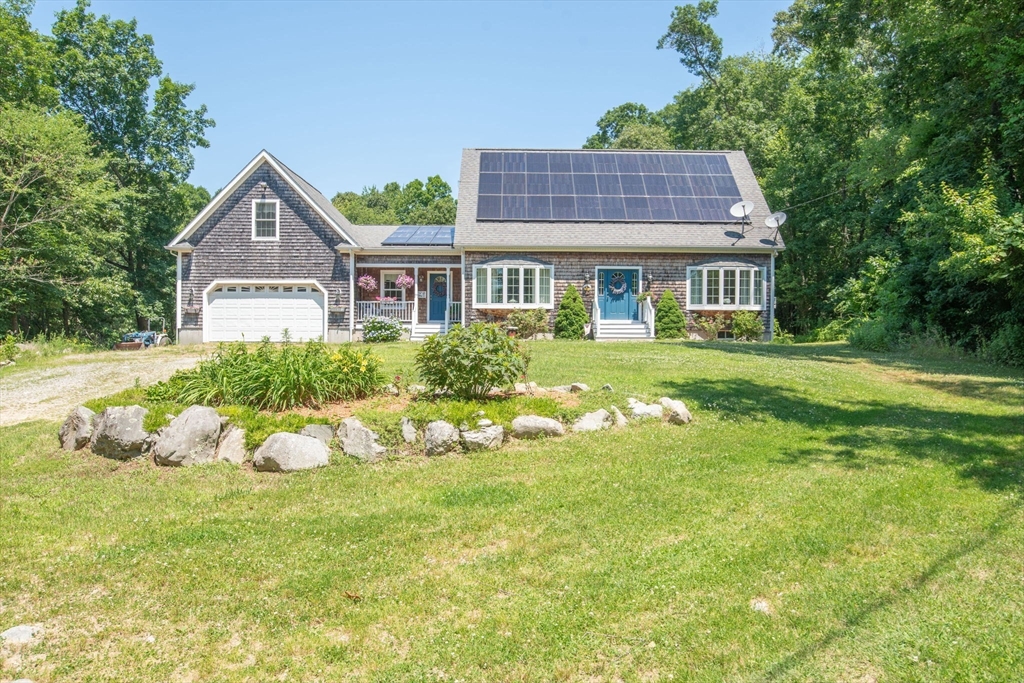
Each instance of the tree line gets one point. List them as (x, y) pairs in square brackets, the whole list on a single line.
[(892, 132), (96, 144)]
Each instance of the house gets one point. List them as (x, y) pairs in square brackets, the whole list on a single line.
[(271, 254)]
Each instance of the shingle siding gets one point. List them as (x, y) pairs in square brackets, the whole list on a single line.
[(305, 249)]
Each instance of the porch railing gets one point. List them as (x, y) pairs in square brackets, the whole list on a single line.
[(595, 319), (454, 312), (647, 316), (399, 310)]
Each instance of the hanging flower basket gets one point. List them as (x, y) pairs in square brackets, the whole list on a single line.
[(367, 283), (404, 281)]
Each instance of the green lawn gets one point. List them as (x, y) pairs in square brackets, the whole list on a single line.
[(871, 502)]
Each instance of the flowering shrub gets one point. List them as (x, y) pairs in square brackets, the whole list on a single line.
[(367, 283), (381, 329), (468, 361), (404, 281)]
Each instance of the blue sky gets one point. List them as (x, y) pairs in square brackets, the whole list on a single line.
[(356, 94)]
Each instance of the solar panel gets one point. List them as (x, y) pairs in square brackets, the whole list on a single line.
[(605, 186), (422, 236)]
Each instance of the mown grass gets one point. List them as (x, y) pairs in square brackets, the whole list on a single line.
[(872, 502)]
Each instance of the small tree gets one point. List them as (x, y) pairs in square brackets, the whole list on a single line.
[(572, 315), (669, 321)]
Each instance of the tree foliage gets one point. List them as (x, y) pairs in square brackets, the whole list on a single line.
[(669, 320), (572, 318), (415, 203), (892, 133)]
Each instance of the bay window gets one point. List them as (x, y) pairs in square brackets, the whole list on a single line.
[(512, 286), (725, 287)]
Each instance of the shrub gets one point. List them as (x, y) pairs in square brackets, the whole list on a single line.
[(8, 348), (529, 322), (711, 325), (572, 315), (871, 335), (1006, 346), (780, 336), (469, 361), (381, 329), (275, 377), (669, 321), (747, 325)]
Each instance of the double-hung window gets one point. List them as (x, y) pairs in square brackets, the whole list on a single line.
[(725, 287), (264, 219), (388, 287), (512, 286)]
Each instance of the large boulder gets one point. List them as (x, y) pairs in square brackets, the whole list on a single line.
[(593, 422), (484, 439), (677, 412), (117, 433), (318, 431), (77, 429), (642, 411), (360, 442), (408, 430), (21, 635), (440, 437), (534, 426), (190, 439), (286, 452), (232, 445)]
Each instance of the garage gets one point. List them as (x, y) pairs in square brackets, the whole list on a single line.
[(250, 312)]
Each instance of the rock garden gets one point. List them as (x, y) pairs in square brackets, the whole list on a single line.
[(285, 407)]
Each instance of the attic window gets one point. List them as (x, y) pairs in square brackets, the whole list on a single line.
[(264, 219)]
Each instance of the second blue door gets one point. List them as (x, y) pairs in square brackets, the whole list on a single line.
[(618, 293), (438, 296)]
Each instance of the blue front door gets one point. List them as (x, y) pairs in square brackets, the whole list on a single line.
[(438, 296), (618, 293)]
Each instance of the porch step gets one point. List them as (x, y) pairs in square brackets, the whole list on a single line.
[(621, 329), (424, 330)]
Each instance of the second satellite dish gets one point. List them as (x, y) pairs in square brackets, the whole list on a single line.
[(776, 219), (741, 209)]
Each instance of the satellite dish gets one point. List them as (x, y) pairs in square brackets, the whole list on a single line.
[(776, 219), (741, 209)]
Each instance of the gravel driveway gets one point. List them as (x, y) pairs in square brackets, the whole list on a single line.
[(50, 392)]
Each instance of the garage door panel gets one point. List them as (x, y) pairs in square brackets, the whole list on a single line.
[(250, 316)]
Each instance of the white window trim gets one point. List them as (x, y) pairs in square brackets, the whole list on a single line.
[(504, 284), (277, 220), (396, 273), (721, 285)]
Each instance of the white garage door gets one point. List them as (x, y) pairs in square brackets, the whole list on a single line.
[(251, 312)]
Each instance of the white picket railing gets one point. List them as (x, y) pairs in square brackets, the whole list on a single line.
[(399, 310), (454, 312), (595, 318), (647, 316)]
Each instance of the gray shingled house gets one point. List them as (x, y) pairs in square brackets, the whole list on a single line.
[(271, 253)]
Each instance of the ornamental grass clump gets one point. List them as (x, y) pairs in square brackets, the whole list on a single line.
[(469, 361), (275, 377)]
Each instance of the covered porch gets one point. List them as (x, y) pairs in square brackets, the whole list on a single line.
[(426, 298)]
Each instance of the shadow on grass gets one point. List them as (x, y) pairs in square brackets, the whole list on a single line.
[(858, 432)]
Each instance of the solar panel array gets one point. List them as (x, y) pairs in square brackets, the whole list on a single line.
[(422, 236), (605, 186)]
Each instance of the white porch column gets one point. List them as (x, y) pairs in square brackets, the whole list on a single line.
[(771, 309), (462, 288), (177, 299), (447, 296), (351, 295), (415, 300)]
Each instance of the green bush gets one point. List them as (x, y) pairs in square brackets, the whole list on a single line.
[(669, 320), (871, 335), (275, 377), (8, 348), (529, 322), (380, 329), (747, 325), (710, 324), (469, 361), (780, 336), (1006, 346), (572, 316)]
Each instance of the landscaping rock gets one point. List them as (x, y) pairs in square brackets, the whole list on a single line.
[(117, 433), (486, 438), (561, 389), (592, 422), (533, 426), (520, 388), (408, 430), (533, 387), (21, 635), (578, 387), (392, 389), (324, 433), (677, 412), (190, 439), (417, 388), (620, 419), (360, 442), (641, 410), (77, 429), (607, 387), (463, 426), (483, 423), (440, 437), (285, 452), (232, 445)]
